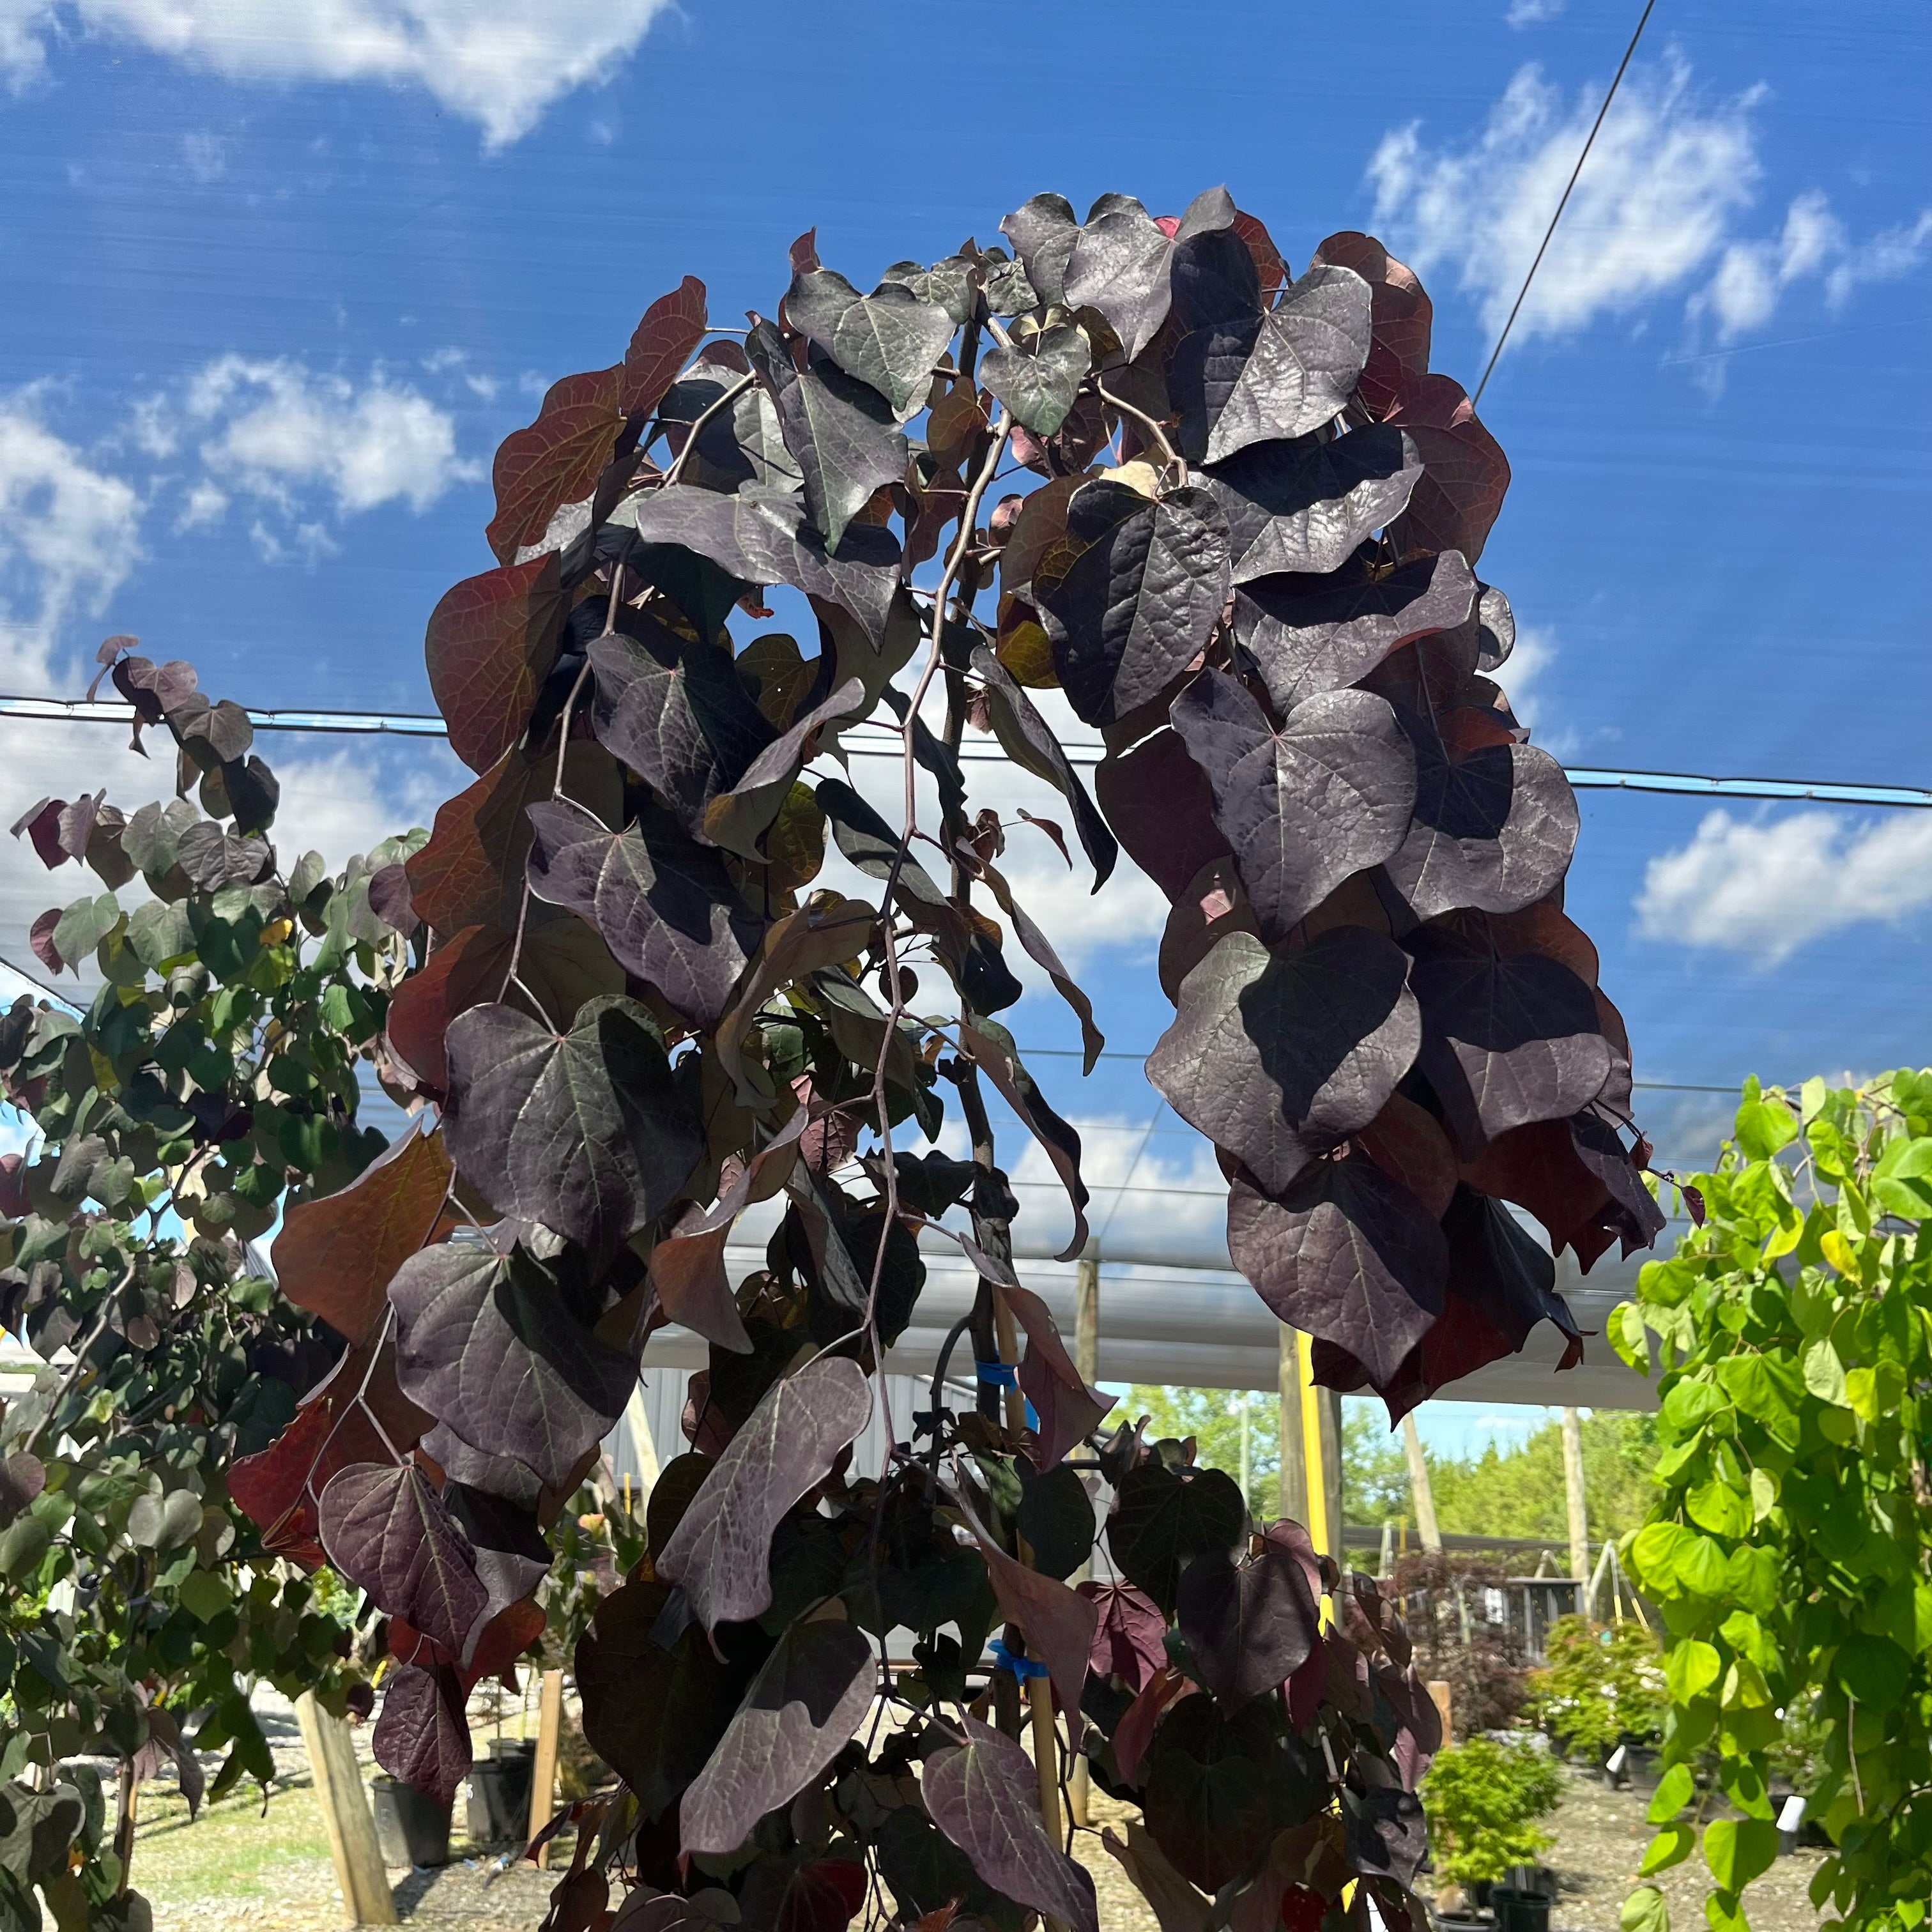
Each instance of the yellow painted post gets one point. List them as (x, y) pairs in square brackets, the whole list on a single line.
[(1320, 1532)]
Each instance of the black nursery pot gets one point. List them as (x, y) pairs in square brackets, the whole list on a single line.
[(1519, 1911), (497, 1807), (412, 1828)]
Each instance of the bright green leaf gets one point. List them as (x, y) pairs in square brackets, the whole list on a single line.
[(1825, 1374), (1763, 1126), (1671, 1846), (1691, 1669), (1737, 1849), (1675, 1790), (1645, 1911), (1717, 1507)]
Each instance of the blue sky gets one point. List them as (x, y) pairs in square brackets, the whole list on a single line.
[(280, 280)]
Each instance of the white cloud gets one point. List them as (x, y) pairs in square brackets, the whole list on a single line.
[(1768, 888), (1885, 258), (271, 428), (499, 63), (1534, 13), (206, 156), (69, 534), (1743, 295), (1653, 204)]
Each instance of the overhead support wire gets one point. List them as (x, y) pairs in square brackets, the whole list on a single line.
[(1589, 142), (428, 724)]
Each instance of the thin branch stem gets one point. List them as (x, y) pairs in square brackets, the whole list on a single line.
[(1147, 423), (78, 1366), (704, 416)]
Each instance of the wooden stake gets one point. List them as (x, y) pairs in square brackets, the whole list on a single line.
[(1438, 1691), (1418, 1482), (543, 1772), (366, 1899), (1086, 1359), (1572, 1495), (1046, 1765)]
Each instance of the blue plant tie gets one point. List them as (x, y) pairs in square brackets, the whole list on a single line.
[(1022, 1667), (1000, 1375), (1033, 1418)]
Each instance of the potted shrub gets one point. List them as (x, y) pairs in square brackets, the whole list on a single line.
[(1482, 1800), (1602, 1690)]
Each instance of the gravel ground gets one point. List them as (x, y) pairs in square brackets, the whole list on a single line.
[(1601, 1835)]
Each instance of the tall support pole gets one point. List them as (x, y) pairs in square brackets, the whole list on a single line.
[(1328, 1413), (543, 1772), (1323, 1531), (366, 1897), (1292, 1489), (1418, 1482), (1086, 1359), (1572, 1491)]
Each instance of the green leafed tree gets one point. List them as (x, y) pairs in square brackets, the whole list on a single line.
[(1790, 1338)]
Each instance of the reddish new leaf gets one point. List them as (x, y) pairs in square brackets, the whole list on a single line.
[(721, 1550), (336, 1256), (491, 642), (1400, 317), (1465, 473), (1129, 1638), (662, 343), (556, 461), (984, 1796)]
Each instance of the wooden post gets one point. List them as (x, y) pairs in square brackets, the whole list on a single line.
[(1573, 1493), (1292, 1490), (1328, 1416), (1045, 1754), (543, 1772), (1388, 1568), (1418, 1482), (1086, 1359), (366, 1897), (1438, 1691)]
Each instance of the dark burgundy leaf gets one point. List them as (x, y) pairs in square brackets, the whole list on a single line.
[(421, 1736), (1119, 265), (990, 1047), (1507, 1039), (492, 639), (1163, 1518), (40, 939), (1634, 1208), (1250, 1625), (386, 1530), (335, 1256), (22, 1477), (1386, 1833), (739, 818), (1142, 599), (888, 340), (1306, 807), (760, 536), (1273, 1058), (1305, 505), (1495, 823), (1130, 1642), (983, 1795), (1406, 1141), (1499, 1270), (1279, 375), (214, 858), (1216, 1790), (1344, 1253), (1031, 743), (672, 327), (843, 431), (42, 824), (665, 905), (1069, 1411), (1214, 276), (1400, 317), (1038, 385), (1043, 233), (488, 1346), (1465, 473), (1306, 637), (677, 714), (502, 1476), (583, 1131), (1160, 804), (721, 1550), (801, 1711)]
